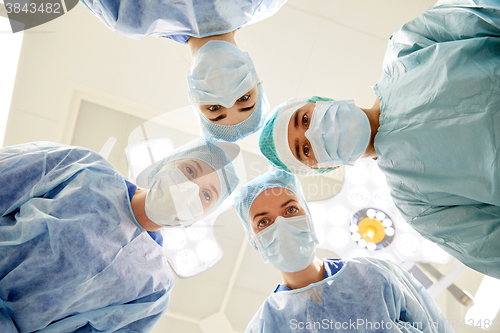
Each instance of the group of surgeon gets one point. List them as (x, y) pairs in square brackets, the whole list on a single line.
[(81, 247)]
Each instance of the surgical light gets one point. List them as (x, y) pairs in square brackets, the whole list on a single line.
[(387, 223), (207, 250), (378, 176), (185, 261), (382, 197), (318, 213), (358, 253), (385, 256), (407, 244), (389, 231), (197, 230), (358, 175), (359, 196), (380, 216), (161, 149), (338, 237), (338, 216), (403, 225), (174, 238), (320, 233)]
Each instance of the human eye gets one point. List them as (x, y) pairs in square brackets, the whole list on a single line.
[(213, 108), (190, 171), (305, 119), (207, 196), (243, 99), (291, 210), (305, 149), (264, 223)]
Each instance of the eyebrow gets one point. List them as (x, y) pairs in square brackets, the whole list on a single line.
[(222, 116), (215, 190), (296, 119), (286, 203), (264, 213), (297, 150), (198, 165), (259, 214), (248, 108)]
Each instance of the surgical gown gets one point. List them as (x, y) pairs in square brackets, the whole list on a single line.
[(72, 255), (198, 18), (438, 142), (366, 295)]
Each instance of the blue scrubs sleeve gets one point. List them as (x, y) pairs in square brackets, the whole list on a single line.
[(469, 233)]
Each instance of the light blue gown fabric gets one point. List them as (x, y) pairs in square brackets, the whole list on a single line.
[(198, 18), (439, 137), (365, 290), (72, 255)]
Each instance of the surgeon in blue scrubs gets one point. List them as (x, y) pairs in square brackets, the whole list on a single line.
[(434, 129), (80, 248), (223, 86), (360, 294)]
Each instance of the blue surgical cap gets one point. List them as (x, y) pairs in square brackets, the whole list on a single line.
[(218, 155), (231, 133), (267, 136), (251, 190)]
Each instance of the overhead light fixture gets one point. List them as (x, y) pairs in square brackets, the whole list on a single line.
[(365, 212), (192, 250)]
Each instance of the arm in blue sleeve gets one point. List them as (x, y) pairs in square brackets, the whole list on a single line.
[(138, 316), (6, 322), (470, 233), (456, 20), (33, 169), (21, 168), (417, 308)]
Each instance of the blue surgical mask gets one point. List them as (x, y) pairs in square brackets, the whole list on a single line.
[(289, 243), (220, 74), (339, 133)]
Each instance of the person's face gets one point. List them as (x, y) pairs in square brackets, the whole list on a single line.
[(272, 203), (240, 111), (297, 141), (299, 145), (203, 175)]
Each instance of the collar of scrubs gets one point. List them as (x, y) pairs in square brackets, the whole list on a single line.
[(156, 235), (332, 266)]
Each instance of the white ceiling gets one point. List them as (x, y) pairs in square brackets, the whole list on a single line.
[(331, 48)]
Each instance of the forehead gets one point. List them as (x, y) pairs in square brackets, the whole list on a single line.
[(271, 200), (307, 107)]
